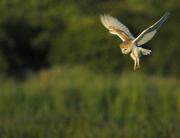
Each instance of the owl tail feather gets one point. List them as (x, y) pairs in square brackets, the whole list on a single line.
[(144, 51)]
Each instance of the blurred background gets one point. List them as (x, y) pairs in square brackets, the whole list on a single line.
[(63, 75)]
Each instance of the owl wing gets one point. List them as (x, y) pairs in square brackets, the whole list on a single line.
[(116, 27), (148, 33)]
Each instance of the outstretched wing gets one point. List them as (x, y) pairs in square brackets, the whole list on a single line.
[(148, 34), (116, 27)]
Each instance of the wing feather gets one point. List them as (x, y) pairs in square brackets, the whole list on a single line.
[(149, 33), (116, 27)]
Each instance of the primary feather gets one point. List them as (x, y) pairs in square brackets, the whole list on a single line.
[(149, 33), (118, 28)]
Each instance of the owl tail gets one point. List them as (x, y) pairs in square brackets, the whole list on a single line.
[(144, 51)]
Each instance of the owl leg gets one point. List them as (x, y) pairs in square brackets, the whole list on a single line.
[(135, 60), (138, 65)]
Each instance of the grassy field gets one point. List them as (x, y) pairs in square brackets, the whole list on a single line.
[(74, 102)]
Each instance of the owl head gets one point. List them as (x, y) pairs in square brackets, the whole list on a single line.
[(126, 47)]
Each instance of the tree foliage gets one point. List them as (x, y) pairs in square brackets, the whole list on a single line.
[(42, 33)]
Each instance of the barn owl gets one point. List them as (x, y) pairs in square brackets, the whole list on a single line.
[(130, 44)]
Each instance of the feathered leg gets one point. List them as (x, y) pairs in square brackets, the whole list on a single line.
[(135, 60), (138, 65)]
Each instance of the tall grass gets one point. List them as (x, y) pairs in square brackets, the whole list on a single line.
[(74, 102)]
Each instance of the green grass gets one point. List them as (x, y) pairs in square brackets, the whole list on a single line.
[(74, 102)]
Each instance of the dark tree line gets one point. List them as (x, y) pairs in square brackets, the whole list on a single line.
[(41, 33)]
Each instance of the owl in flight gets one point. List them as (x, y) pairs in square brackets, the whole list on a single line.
[(130, 44)]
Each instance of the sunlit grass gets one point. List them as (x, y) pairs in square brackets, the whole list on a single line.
[(77, 102)]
